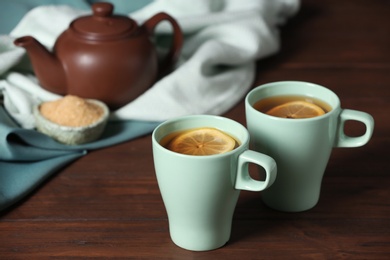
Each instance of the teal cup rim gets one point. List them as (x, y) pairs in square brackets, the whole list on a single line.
[(196, 121), (283, 88)]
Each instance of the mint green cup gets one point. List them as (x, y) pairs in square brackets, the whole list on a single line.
[(200, 192), (300, 147)]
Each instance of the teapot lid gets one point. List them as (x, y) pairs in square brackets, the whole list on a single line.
[(102, 25)]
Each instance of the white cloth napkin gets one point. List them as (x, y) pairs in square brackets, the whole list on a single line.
[(223, 40)]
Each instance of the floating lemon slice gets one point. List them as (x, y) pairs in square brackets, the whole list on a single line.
[(202, 141), (296, 109)]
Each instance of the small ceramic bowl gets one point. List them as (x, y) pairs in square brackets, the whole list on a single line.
[(72, 135)]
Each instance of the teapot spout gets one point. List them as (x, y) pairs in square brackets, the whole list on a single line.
[(47, 67)]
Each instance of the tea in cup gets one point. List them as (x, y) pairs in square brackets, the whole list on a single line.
[(298, 124), (201, 164)]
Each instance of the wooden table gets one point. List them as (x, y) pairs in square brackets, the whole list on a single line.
[(107, 204)]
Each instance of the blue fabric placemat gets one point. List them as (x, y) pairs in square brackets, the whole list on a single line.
[(27, 157)]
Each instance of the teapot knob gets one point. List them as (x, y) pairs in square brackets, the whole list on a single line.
[(102, 9)]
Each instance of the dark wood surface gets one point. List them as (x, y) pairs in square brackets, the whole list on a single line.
[(107, 204)]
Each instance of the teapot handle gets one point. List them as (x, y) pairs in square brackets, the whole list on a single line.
[(174, 52)]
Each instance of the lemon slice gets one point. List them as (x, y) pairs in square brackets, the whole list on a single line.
[(296, 109), (202, 141)]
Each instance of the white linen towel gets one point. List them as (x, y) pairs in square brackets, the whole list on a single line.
[(223, 40)]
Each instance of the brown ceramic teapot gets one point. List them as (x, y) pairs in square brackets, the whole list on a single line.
[(103, 56)]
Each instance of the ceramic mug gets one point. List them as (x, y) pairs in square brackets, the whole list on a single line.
[(300, 147), (200, 192)]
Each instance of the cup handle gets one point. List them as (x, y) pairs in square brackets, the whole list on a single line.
[(244, 181), (342, 140)]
